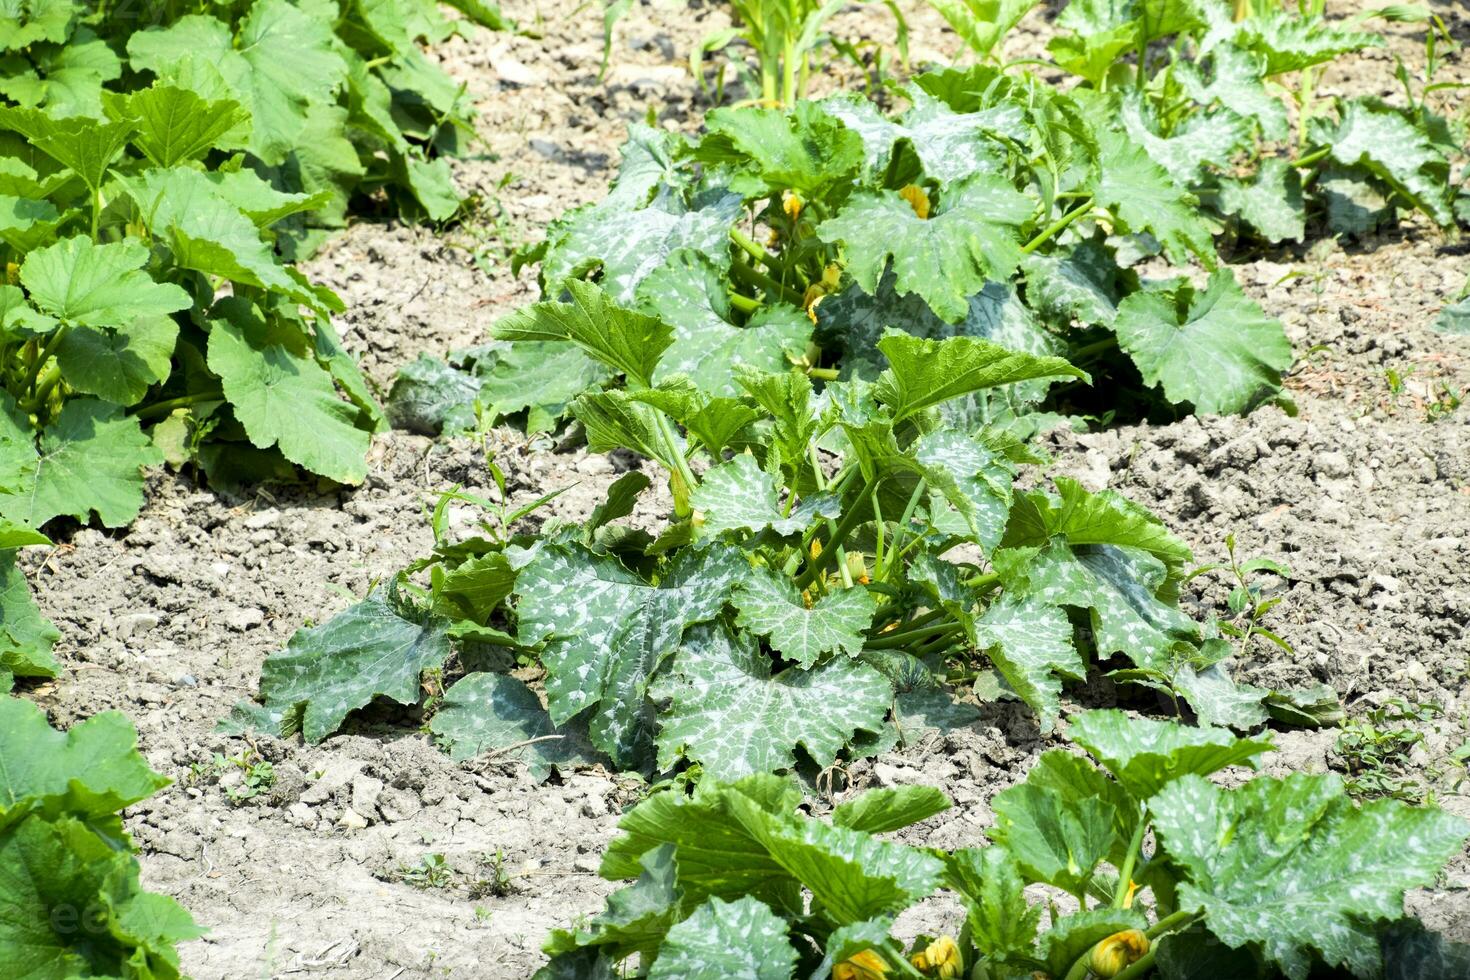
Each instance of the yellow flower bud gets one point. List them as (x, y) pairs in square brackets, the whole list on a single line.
[(917, 199), (941, 958), (814, 295), (857, 567), (832, 276), (773, 238), (792, 205), (867, 965), (1120, 950), (12, 273)]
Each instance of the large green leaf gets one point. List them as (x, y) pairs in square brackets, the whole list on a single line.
[(67, 80), (946, 258), (209, 233), (1119, 585), (740, 496), (283, 397), (1143, 197), (728, 713), (1059, 844), (1145, 754), (176, 125), (982, 23), (92, 770), (974, 480), (89, 459), (26, 639), (1388, 143), (689, 293), (369, 650), (70, 907), (636, 918), (770, 606), (717, 855), (606, 632), (1236, 85), (627, 245), (950, 145), (118, 365), (1213, 348), (540, 378), (1270, 202), (1030, 643), (743, 938), (1081, 282), (1087, 518), (83, 283), (282, 61), (1002, 923), (878, 811), (1295, 868), (85, 146), (487, 712), (805, 150), (924, 373), (1211, 137), (624, 340), (852, 876), (1290, 42)]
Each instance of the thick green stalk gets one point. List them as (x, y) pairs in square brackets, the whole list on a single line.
[(160, 409), (754, 277), (1303, 163), (1057, 226), (44, 355), (850, 520), (755, 250), (891, 641), (671, 446), (1125, 873)]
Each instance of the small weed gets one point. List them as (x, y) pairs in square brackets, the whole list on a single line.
[(432, 871), (497, 882), (1248, 600), (1373, 748), (259, 774), (1443, 401)]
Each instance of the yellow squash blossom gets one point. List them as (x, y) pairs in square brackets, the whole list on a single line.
[(917, 199), (1120, 950), (867, 965), (792, 205), (941, 958)]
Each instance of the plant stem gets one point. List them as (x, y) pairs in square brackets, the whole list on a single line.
[(849, 521), (744, 303), (1304, 162), (1125, 873), (821, 480), (1057, 226), (44, 384), (754, 277), (754, 249), (1137, 968), (159, 409), (671, 446), (890, 641), (44, 355), (1096, 347)]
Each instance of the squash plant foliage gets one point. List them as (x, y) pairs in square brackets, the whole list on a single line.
[(70, 901), (996, 205), (832, 560), (1143, 866), (325, 97)]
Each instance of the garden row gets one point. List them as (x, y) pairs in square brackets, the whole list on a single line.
[(834, 329)]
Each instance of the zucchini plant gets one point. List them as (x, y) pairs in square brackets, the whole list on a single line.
[(996, 204), (70, 901), (1124, 862), (832, 564)]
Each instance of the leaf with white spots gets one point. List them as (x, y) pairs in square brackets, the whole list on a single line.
[(1145, 754), (607, 631), (486, 712), (1271, 202), (1295, 868), (740, 496), (973, 479), (950, 145), (373, 649), (945, 258), (1390, 145), (743, 938), (728, 713), (770, 606), (1030, 644)]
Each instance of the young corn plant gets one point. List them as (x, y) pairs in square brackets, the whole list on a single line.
[(1124, 862)]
